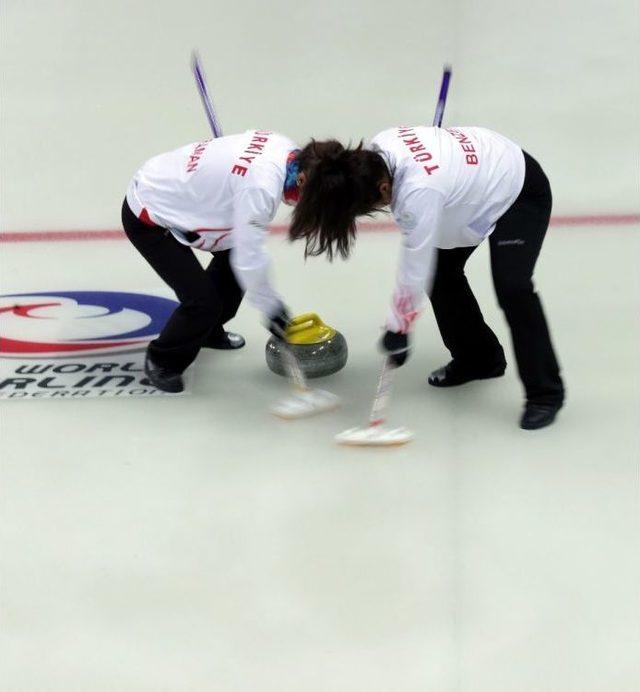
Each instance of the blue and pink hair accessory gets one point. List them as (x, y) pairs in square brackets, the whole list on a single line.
[(291, 192)]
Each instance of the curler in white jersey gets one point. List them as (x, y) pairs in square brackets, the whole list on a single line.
[(303, 401), (376, 434)]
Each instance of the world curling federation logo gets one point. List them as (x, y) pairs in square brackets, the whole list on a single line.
[(69, 324), (78, 344)]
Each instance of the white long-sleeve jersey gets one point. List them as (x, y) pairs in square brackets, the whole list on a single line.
[(219, 194), (449, 189)]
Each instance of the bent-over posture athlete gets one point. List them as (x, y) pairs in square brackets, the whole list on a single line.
[(449, 189)]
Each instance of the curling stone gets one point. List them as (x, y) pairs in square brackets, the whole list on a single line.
[(321, 350)]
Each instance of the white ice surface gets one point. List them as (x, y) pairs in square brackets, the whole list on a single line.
[(200, 544)]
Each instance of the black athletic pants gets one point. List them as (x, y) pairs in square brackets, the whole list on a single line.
[(514, 246), (208, 297)]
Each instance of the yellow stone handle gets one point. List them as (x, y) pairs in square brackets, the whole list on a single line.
[(308, 329), (302, 322)]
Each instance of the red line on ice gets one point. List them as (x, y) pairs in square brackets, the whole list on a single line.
[(379, 226)]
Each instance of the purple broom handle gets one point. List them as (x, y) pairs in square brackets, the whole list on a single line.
[(442, 98), (204, 95)]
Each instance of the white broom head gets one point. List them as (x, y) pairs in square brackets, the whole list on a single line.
[(304, 403), (374, 436)]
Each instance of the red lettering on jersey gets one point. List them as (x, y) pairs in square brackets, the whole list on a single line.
[(254, 148), (194, 158), (416, 147), (466, 146)]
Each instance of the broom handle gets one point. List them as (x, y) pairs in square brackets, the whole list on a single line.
[(383, 394), (210, 111), (292, 366), (442, 97), (385, 381)]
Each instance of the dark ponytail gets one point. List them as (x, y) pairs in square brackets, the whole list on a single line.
[(341, 184)]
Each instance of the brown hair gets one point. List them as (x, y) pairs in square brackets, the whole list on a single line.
[(341, 184)]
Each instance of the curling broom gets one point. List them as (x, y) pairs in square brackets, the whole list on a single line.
[(376, 434)]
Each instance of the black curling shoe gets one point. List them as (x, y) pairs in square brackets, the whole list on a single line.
[(537, 416), (162, 378), (452, 375), (227, 341)]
